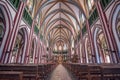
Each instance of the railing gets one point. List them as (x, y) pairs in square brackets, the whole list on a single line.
[(15, 3), (27, 17), (104, 3)]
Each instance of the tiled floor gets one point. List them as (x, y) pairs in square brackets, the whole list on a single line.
[(60, 73)]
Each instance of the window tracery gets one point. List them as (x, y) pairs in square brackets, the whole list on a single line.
[(2, 27), (1, 33), (90, 4), (30, 5), (17, 50)]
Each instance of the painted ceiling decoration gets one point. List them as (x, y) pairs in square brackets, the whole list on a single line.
[(60, 21)]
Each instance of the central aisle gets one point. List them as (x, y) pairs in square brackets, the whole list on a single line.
[(60, 73)]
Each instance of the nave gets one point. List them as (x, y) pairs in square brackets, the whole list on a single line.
[(60, 73), (63, 39)]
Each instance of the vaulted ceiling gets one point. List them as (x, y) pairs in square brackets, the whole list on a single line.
[(60, 19)]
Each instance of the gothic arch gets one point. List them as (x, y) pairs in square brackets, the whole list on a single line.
[(32, 51), (86, 49), (25, 29), (83, 50), (100, 45), (40, 52), (20, 46), (7, 25), (115, 23), (81, 61), (95, 43), (35, 48)]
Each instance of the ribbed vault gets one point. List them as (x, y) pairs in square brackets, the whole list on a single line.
[(60, 20)]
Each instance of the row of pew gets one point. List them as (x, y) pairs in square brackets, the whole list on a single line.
[(105, 71), (25, 71)]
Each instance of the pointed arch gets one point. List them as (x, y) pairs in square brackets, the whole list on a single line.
[(8, 26)]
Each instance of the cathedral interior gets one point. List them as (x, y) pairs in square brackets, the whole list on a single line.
[(59, 39)]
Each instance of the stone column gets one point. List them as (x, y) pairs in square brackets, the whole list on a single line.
[(26, 60), (14, 33), (108, 35), (90, 36)]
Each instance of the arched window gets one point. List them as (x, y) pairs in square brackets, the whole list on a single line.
[(65, 47), (18, 47), (82, 19), (89, 52), (31, 53), (90, 4), (118, 25), (103, 47), (30, 5), (55, 47), (38, 19), (2, 27), (118, 30), (1, 33)]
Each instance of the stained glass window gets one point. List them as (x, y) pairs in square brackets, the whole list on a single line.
[(1, 31), (30, 5), (118, 30), (90, 4)]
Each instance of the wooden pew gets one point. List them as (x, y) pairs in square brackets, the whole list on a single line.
[(103, 71), (79, 70), (94, 72), (41, 71), (83, 72), (29, 70), (110, 71), (11, 75), (44, 70)]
